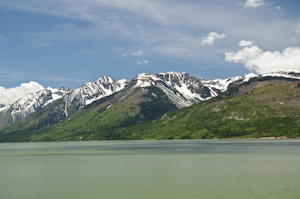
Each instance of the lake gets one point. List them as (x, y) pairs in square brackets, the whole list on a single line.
[(151, 169)]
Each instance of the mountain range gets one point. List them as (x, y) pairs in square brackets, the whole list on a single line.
[(96, 109)]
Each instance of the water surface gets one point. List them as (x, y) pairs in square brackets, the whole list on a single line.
[(151, 169)]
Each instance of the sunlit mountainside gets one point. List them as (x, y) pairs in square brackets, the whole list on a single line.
[(163, 106)]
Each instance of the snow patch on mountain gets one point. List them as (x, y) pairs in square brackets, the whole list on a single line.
[(123, 83), (4, 108), (222, 84), (104, 86), (145, 80), (34, 101), (92, 91), (292, 74), (249, 76), (182, 89)]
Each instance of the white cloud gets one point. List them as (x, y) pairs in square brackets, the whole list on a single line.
[(140, 53), (259, 61), (142, 62), (211, 37), (124, 55), (10, 95), (254, 3), (167, 28), (279, 8), (244, 43)]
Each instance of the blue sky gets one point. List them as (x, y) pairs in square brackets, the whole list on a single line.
[(67, 43)]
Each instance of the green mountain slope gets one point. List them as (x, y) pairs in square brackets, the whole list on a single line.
[(96, 121), (269, 108), (259, 108)]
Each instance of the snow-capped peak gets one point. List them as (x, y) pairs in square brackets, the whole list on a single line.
[(145, 80), (32, 102), (92, 91), (105, 79), (182, 89)]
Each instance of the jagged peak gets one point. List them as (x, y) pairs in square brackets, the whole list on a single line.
[(106, 79), (102, 80), (65, 89)]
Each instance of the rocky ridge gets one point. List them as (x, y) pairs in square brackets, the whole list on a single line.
[(30, 104), (182, 90)]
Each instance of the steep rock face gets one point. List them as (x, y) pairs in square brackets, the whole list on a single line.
[(184, 90), (30, 104)]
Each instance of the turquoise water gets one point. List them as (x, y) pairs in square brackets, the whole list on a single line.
[(151, 169)]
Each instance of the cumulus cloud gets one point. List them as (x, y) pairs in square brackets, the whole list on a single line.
[(211, 38), (279, 8), (140, 53), (255, 59), (254, 3), (142, 62), (245, 43), (10, 95)]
